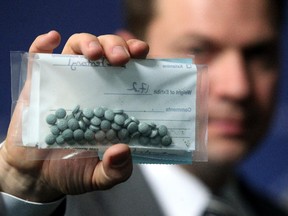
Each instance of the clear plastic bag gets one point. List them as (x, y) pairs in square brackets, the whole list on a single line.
[(156, 106)]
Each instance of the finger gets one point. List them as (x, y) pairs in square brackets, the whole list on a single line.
[(84, 44), (115, 167), (138, 48), (45, 43), (115, 49)]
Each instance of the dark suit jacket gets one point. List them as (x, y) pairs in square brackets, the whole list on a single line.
[(134, 198)]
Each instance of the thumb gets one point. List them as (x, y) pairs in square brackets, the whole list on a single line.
[(116, 167), (45, 43)]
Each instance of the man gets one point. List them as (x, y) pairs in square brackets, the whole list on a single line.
[(238, 40)]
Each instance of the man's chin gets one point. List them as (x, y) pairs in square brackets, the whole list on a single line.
[(227, 152)]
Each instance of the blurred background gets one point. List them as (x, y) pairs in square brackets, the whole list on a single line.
[(22, 21)]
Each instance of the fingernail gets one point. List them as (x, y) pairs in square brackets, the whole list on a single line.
[(94, 44), (119, 50)]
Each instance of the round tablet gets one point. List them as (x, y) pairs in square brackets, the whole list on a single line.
[(116, 126), (123, 134), (62, 124), (50, 139), (118, 111), (76, 109), (73, 124), (51, 119), (105, 125), (166, 140), (78, 115), (82, 125), (60, 140), (144, 140), (55, 130), (94, 128), (110, 135), (89, 135), (95, 121), (119, 119), (88, 113), (67, 134), (99, 112), (78, 135), (144, 128), (156, 140), (132, 127), (153, 133), (127, 122), (162, 130), (60, 113), (109, 115), (86, 120), (100, 136)]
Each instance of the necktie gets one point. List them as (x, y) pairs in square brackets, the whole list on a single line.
[(219, 207)]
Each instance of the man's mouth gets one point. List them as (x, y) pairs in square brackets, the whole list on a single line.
[(226, 126)]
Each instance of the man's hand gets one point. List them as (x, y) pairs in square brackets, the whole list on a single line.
[(49, 179)]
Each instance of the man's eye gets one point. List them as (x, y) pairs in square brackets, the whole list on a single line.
[(202, 54), (198, 50), (267, 56)]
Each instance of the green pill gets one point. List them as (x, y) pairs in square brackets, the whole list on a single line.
[(51, 119), (94, 128), (86, 120), (152, 125), (110, 135), (73, 124), (153, 133), (67, 134), (99, 112), (50, 139), (123, 134), (55, 130), (118, 111), (127, 122), (82, 125), (144, 140), (109, 115), (100, 136), (105, 125), (89, 135), (155, 141), (162, 130), (68, 117), (116, 126), (62, 124), (78, 115), (95, 121), (119, 119), (60, 113), (88, 113), (144, 128), (78, 135), (60, 140), (76, 109), (132, 127), (135, 120), (71, 142), (166, 140)]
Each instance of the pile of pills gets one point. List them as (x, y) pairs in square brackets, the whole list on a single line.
[(102, 125)]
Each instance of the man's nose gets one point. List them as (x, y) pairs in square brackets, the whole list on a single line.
[(229, 77)]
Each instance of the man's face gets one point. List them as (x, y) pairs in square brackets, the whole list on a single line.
[(238, 42)]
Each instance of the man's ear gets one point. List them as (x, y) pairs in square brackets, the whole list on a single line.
[(126, 35)]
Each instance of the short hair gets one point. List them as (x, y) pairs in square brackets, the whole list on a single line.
[(137, 16), (139, 13)]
